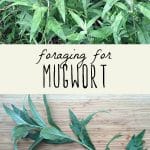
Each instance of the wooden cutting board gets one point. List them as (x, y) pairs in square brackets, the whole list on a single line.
[(128, 114)]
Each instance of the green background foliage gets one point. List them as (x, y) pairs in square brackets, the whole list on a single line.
[(75, 21)]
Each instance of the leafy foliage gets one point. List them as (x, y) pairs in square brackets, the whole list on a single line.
[(70, 21), (34, 127)]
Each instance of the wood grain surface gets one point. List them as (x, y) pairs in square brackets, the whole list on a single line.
[(127, 115)]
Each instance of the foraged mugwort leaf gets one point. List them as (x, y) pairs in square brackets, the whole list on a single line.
[(49, 115), (90, 117), (37, 141), (19, 132), (51, 133), (24, 115), (136, 142), (40, 132), (80, 131), (14, 116), (35, 113), (114, 138)]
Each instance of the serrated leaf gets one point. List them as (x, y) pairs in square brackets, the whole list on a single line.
[(78, 20), (14, 116), (19, 132), (144, 9), (55, 26), (34, 136), (51, 133), (136, 142), (101, 33), (49, 115), (80, 131), (35, 113), (117, 25), (114, 138), (36, 20), (24, 115), (109, 4), (60, 4)]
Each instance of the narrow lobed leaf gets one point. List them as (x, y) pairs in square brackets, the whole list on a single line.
[(49, 115), (14, 116), (136, 142), (35, 114), (80, 131), (114, 138)]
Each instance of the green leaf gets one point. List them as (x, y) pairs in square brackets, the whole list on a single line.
[(55, 26), (144, 9), (79, 129), (143, 36), (19, 132), (76, 37), (49, 115), (24, 115), (51, 133), (36, 20), (27, 3), (35, 114), (136, 142), (78, 20), (117, 26), (92, 21), (101, 33), (85, 4), (14, 116), (109, 4), (60, 4), (122, 6), (35, 143), (114, 138), (90, 117), (2, 1)]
